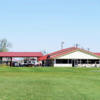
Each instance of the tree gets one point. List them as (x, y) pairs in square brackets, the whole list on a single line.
[(4, 45)]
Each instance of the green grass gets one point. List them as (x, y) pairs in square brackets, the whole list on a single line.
[(49, 83)]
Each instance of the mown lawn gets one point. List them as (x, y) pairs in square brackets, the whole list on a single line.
[(49, 84)]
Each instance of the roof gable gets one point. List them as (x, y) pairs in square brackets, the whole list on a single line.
[(78, 54)]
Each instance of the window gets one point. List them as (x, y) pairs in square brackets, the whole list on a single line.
[(63, 61), (93, 61), (84, 61)]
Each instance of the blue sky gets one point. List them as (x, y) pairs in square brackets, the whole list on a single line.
[(37, 25)]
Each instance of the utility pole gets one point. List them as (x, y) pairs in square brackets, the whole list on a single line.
[(44, 52), (77, 45), (62, 45), (88, 49)]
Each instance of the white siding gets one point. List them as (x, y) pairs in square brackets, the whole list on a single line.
[(79, 65), (62, 65), (77, 55)]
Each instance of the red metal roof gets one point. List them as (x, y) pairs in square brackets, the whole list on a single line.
[(21, 54), (58, 53), (68, 50), (65, 51), (98, 54)]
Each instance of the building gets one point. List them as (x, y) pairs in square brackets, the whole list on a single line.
[(71, 57), (8, 57)]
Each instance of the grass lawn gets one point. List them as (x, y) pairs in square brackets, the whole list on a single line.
[(49, 84)]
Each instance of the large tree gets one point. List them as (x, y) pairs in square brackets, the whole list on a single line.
[(4, 45)]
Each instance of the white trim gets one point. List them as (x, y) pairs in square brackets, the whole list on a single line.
[(62, 65)]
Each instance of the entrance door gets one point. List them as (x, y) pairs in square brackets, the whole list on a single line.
[(74, 63)]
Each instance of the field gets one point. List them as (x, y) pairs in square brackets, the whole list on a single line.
[(49, 84)]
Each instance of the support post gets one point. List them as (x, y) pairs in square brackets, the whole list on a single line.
[(99, 62), (1, 60), (87, 62), (54, 61), (68, 61), (80, 63), (11, 62)]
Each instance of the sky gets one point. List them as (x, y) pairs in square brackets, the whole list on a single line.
[(38, 25)]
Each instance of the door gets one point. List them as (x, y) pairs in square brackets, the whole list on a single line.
[(74, 63)]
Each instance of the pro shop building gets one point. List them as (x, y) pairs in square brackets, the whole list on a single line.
[(71, 57)]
